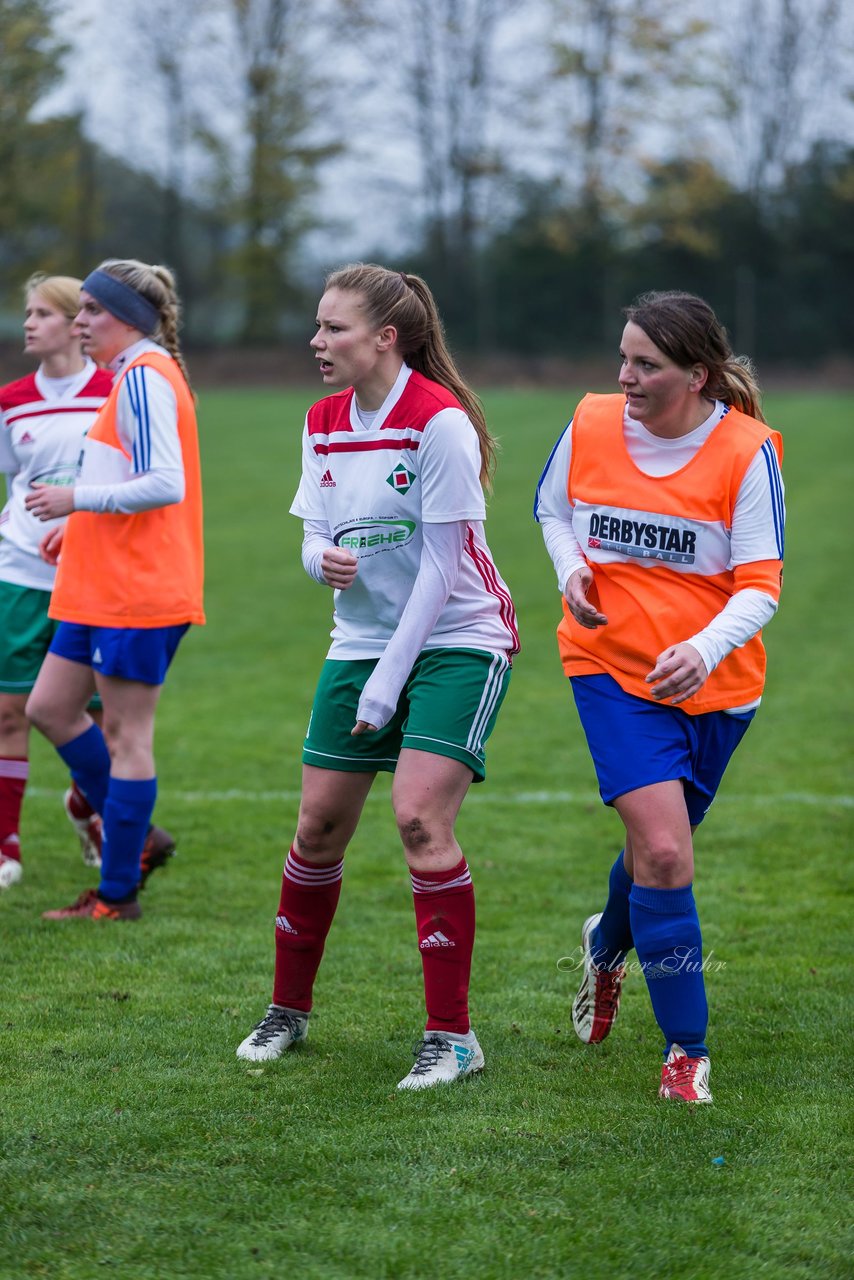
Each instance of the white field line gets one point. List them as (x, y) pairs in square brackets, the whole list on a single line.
[(477, 795)]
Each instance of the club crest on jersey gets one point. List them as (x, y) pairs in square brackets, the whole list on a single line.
[(401, 479)]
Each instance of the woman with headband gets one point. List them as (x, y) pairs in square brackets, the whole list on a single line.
[(129, 582)]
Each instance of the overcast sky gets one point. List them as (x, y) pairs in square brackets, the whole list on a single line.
[(369, 194)]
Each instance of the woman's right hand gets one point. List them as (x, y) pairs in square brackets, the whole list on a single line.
[(575, 594), (338, 568), (51, 544)]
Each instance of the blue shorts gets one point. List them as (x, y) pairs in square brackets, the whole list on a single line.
[(131, 653), (635, 743)]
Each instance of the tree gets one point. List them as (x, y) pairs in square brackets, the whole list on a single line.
[(32, 154), (278, 97), (171, 70), (775, 76), (624, 65), (439, 66)]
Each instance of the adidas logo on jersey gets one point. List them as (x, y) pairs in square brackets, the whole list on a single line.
[(436, 939), (283, 923), (326, 481), (26, 438)]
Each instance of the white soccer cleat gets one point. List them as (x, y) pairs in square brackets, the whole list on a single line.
[(685, 1079), (595, 1007), (86, 823), (276, 1032), (10, 871), (441, 1058)]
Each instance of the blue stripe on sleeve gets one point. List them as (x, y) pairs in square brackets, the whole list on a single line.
[(545, 471), (146, 426), (135, 383), (776, 486), (134, 404)]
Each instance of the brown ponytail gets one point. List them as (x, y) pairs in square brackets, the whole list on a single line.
[(405, 301)]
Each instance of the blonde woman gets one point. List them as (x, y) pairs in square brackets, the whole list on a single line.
[(392, 506), (44, 418)]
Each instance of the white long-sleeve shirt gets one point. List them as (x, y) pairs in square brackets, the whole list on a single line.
[(147, 425)]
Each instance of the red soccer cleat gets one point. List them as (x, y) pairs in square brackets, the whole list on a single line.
[(86, 823), (159, 847), (90, 907), (595, 1008), (685, 1079)]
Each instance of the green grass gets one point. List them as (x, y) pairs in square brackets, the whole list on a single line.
[(135, 1143)]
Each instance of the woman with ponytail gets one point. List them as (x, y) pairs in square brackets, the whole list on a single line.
[(662, 510), (129, 581), (392, 505)]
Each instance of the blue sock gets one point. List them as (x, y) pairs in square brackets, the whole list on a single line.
[(666, 931), (88, 761), (612, 937), (127, 814)]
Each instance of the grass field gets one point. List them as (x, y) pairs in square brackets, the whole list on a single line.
[(133, 1141)]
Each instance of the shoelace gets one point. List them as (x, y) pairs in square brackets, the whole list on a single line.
[(608, 984), (273, 1023), (681, 1073), (84, 899), (428, 1053)]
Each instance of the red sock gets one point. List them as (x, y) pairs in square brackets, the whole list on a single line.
[(306, 908), (444, 914), (14, 771)]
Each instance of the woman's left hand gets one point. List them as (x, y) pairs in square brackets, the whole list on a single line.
[(678, 673), (51, 545), (362, 726), (47, 501)]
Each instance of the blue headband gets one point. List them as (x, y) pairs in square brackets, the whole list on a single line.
[(122, 301)]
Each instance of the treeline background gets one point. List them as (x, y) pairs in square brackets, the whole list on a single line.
[(539, 162)]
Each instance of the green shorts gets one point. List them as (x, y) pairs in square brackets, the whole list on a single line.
[(25, 635), (448, 707)]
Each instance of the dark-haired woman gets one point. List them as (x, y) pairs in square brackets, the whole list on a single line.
[(392, 503), (662, 510), (129, 581)]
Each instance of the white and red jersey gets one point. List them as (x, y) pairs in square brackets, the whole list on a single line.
[(375, 487), (41, 440)]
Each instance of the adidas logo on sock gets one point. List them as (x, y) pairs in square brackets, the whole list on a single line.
[(436, 939), (326, 481), (283, 923)]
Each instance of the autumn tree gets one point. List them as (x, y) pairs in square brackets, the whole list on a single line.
[(36, 156), (781, 75), (279, 94)]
